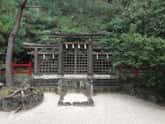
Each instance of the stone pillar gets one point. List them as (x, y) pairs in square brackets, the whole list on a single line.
[(91, 88), (59, 87)]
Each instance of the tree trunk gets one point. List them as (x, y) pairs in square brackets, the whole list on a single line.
[(12, 36)]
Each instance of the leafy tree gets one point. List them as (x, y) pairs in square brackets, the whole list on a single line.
[(148, 16), (136, 28)]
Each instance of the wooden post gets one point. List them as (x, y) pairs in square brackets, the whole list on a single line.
[(35, 60), (90, 58), (60, 59)]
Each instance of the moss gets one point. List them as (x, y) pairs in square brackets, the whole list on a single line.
[(5, 91)]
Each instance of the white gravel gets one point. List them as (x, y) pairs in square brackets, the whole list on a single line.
[(108, 109), (75, 97)]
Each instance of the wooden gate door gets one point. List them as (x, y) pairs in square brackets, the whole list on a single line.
[(75, 59)]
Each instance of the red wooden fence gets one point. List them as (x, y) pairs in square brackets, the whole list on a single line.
[(24, 69)]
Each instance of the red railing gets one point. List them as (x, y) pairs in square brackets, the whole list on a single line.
[(20, 69)]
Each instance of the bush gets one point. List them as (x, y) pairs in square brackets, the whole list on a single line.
[(137, 51)]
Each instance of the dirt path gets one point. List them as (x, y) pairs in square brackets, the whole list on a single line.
[(108, 109)]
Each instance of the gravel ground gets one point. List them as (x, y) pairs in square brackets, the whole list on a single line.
[(109, 109), (75, 97)]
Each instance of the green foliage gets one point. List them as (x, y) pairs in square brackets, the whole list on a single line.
[(6, 19), (147, 15), (137, 39), (136, 28), (77, 16), (136, 50)]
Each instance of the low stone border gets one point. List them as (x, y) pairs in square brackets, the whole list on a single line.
[(22, 99)]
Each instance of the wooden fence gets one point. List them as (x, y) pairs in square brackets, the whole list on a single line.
[(20, 69)]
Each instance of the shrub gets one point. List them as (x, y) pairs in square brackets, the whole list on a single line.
[(137, 51)]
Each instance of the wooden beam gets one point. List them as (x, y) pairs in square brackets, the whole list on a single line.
[(75, 35), (41, 53)]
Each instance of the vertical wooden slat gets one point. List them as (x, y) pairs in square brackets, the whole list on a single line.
[(35, 60)]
